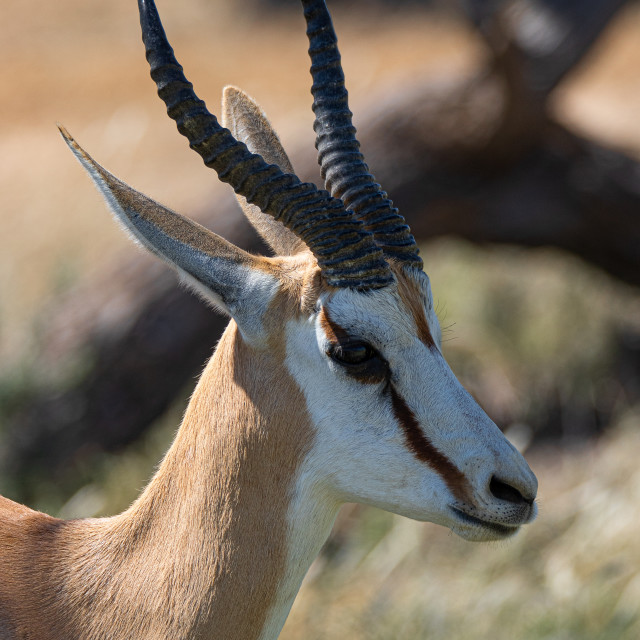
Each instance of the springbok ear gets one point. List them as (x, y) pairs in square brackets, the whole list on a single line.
[(248, 123), (236, 282)]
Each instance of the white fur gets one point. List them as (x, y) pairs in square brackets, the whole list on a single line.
[(360, 451), (259, 289), (311, 516)]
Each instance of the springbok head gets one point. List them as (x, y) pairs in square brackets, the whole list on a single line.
[(344, 303)]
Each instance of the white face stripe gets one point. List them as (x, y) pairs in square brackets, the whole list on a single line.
[(415, 439)]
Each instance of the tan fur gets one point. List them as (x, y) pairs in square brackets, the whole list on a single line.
[(210, 525), (334, 333)]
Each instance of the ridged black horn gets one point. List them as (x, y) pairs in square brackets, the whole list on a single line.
[(342, 166), (346, 252)]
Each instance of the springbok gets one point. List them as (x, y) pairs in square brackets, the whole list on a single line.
[(328, 386)]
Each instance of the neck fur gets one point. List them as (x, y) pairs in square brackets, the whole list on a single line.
[(219, 542)]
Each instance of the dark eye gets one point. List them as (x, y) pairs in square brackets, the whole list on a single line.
[(353, 353), (360, 361)]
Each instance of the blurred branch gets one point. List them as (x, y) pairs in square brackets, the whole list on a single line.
[(552, 36), (546, 187), (481, 160)]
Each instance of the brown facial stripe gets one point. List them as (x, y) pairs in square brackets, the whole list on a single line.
[(423, 328), (372, 371), (410, 295), (426, 452), (334, 332)]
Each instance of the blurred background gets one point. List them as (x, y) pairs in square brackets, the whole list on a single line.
[(507, 133)]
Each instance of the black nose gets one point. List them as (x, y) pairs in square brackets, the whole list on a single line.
[(504, 491)]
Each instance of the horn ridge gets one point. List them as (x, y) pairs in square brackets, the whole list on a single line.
[(350, 258), (342, 165)]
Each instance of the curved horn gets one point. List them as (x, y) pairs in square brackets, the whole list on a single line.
[(346, 252), (342, 165)]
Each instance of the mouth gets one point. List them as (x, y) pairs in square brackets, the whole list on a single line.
[(475, 528)]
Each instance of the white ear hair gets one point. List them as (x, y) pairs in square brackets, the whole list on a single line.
[(248, 123)]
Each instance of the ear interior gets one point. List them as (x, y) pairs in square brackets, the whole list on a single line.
[(248, 123)]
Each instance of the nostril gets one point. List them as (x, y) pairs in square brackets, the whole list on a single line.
[(504, 491)]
